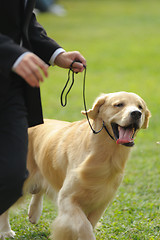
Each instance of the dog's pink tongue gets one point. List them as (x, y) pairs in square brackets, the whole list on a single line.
[(125, 135)]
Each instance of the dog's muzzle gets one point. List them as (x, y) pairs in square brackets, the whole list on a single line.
[(125, 134)]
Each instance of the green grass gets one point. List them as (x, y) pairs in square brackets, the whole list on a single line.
[(121, 42)]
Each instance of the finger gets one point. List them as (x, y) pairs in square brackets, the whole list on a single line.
[(80, 58), (42, 65), (83, 61), (77, 70), (78, 67), (35, 70), (31, 79), (29, 76)]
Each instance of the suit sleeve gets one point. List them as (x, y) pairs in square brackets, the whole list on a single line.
[(42, 45), (9, 52)]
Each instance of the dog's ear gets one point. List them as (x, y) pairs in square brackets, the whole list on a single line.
[(146, 121), (92, 113)]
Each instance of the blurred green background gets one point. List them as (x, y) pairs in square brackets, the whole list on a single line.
[(120, 40)]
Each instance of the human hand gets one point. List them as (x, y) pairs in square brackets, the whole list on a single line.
[(29, 69), (65, 60)]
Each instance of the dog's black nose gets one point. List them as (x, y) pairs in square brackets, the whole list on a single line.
[(136, 115)]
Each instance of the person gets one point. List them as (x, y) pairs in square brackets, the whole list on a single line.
[(25, 54), (50, 6)]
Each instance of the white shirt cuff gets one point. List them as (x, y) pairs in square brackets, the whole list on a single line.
[(52, 59), (18, 60), (55, 54)]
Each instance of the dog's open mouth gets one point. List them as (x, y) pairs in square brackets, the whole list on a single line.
[(124, 135)]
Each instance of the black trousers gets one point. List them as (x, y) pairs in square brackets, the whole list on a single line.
[(13, 146)]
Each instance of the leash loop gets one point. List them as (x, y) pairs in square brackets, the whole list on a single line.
[(65, 102)]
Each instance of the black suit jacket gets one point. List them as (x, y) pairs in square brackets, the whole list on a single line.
[(18, 23)]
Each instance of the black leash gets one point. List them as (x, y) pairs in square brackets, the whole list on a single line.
[(84, 97), (85, 106), (70, 69)]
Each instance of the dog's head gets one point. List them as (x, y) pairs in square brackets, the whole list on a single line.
[(123, 114)]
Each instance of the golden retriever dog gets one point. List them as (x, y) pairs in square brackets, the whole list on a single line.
[(80, 169)]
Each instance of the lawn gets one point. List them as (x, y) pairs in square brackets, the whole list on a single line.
[(121, 42)]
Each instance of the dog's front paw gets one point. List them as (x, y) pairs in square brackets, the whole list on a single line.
[(10, 234), (33, 217), (35, 208), (34, 213)]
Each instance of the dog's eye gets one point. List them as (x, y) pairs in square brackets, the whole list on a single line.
[(119, 105), (140, 107)]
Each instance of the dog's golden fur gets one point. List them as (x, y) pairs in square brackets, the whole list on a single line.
[(82, 169)]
